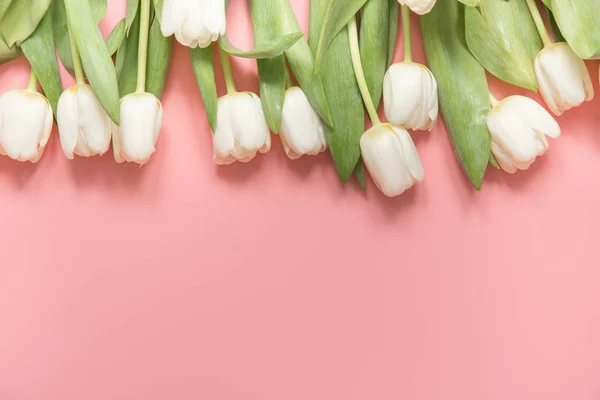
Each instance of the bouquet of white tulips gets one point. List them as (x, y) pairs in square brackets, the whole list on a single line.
[(313, 93)]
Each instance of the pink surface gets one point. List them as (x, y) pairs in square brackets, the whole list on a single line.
[(271, 281)]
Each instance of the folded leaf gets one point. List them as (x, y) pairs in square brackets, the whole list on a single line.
[(343, 96), (462, 86), (39, 50), (274, 48), (97, 62), (503, 38), (579, 22), (127, 59), (133, 7), (336, 14), (373, 44), (116, 37), (393, 30), (204, 70), (8, 53), (160, 50), (21, 18)]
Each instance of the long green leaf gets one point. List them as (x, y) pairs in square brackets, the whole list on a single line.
[(503, 38), (8, 53), (131, 13), (3, 7), (127, 59), (271, 71), (96, 60), (558, 36), (360, 174), (474, 3), (21, 18), (462, 86), (99, 8), (373, 42), (204, 70), (579, 22), (343, 96), (39, 50), (336, 14), (116, 37), (393, 30), (158, 6), (160, 50), (276, 47)]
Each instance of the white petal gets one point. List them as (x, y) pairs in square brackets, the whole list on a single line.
[(173, 16), (67, 122), (419, 6)]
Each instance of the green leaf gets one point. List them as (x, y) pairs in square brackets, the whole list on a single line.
[(127, 60), (360, 174), (373, 44), (133, 7), (271, 71), (493, 162), (555, 29), (3, 7), (547, 3), (96, 60), (503, 38), (276, 47), (336, 14), (579, 23), (343, 96), (21, 18), (158, 6), (39, 50), (99, 8), (160, 49), (475, 3), (462, 86), (204, 70), (8, 53), (393, 31), (300, 59), (116, 37)]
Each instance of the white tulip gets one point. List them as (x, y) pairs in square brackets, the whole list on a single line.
[(410, 96), (25, 125), (141, 119), (519, 127), (562, 77), (301, 129), (194, 22), (83, 125), (242, 129), (420, 6), (391, 159)]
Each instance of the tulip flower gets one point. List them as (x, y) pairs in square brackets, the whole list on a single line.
[(519, 128), (391, 159), (420, 6), (141, 119), (301, 129), (83, 125), (25, 123), (242, 129), (563, 78), (194, 22), (410, 96)]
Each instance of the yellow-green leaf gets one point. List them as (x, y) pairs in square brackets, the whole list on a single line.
[(579, 23), (160, 49), (204, 70), (116, 37), (8, 53), (21, 18), (393, 30), (131, 12), (3, 7), (266, 50), (373, 44)]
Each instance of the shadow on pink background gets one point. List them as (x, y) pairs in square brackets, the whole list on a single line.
[(272, 281)]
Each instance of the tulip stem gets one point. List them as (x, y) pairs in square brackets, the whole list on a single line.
[(539, 22), (360, 73), (32, 85), (79, 75), (227, 73), (143, 45), (493, 100), (406, 37), (288, 78)]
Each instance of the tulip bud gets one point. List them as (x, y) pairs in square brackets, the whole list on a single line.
[(410, 96), (391, 159), (25, 125), (242, 129), (194, 22), (519, 126), (562, 77), (141, 120), (83, 125), (420, 6), (301, 128)]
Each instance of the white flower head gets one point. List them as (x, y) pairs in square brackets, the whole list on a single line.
[(420, 6), (195, 23)]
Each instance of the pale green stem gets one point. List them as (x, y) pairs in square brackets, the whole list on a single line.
[(288, 78), (32, 85), (143, 45), (227, 73), (79, 75), (539, 22), (360, 73), (406, 37), (493, 100)]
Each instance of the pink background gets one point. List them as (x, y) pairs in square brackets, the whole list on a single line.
[(272, 281)]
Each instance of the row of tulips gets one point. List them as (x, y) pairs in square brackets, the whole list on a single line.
[(510, 133)]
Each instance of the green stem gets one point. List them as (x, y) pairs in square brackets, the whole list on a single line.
[(288, 78), (79, 75), (360, 73), (143, 45), (406, 37), (227, 73), (539, 22), (493, 100), (32, 85)]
